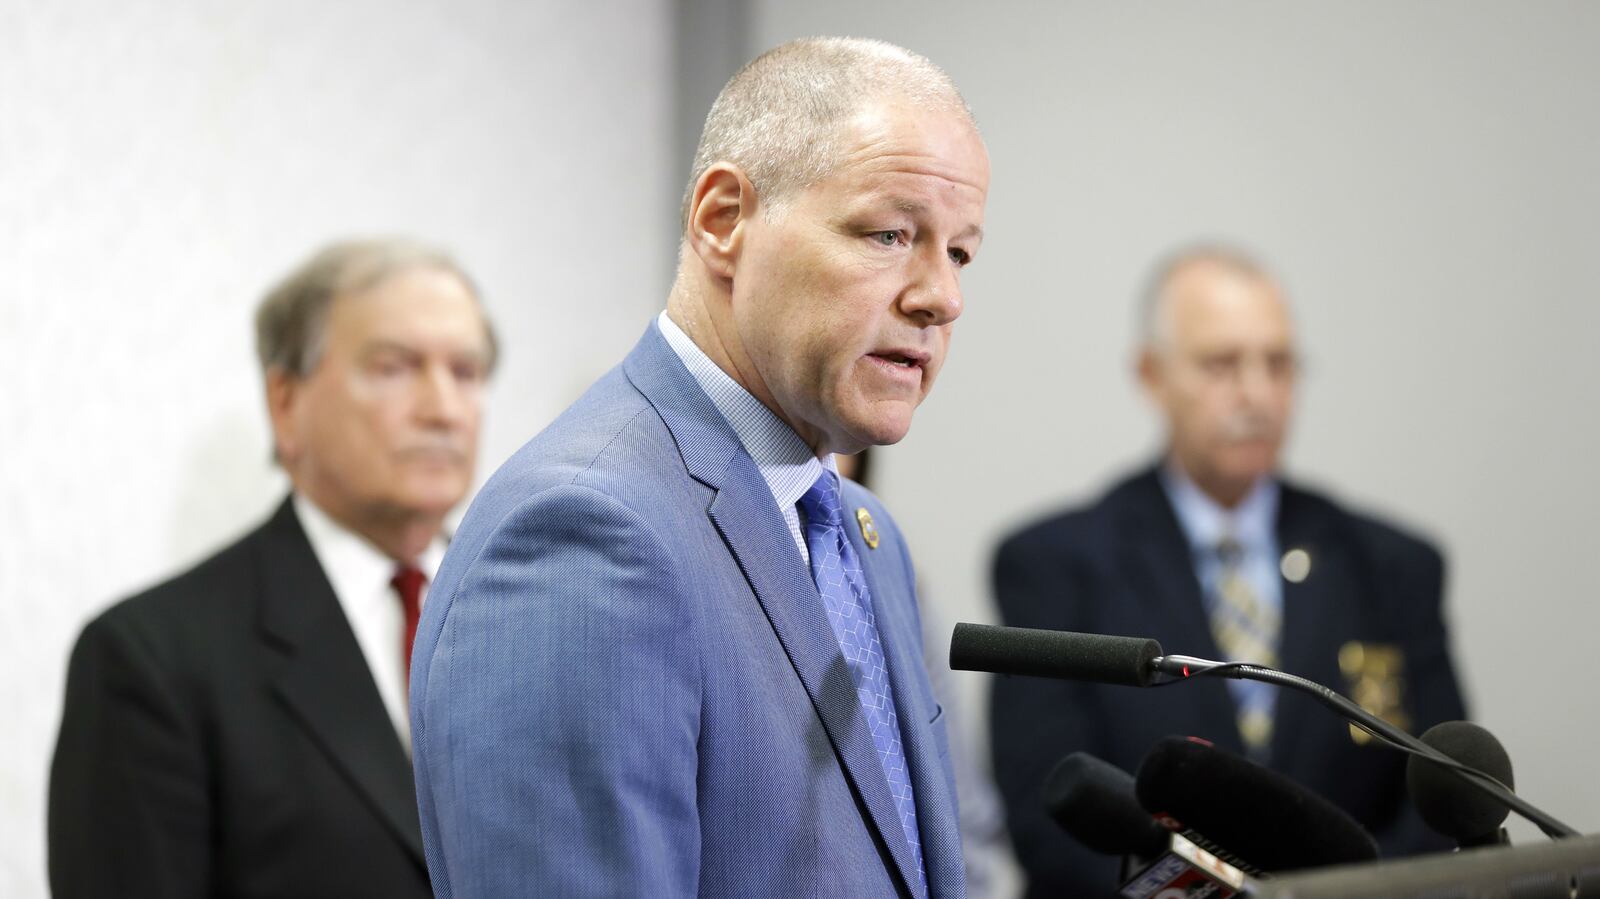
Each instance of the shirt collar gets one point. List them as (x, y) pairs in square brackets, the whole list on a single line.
[(354, 566), (785, 461), (1252, 523)]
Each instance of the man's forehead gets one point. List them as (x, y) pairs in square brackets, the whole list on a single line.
[(1204, 291), (374, 319), (936, 141)]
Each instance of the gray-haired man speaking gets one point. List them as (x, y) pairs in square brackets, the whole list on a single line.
[(669, 653)]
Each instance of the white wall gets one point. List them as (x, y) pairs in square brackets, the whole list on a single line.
[(1423, 174), (1426, 175), (161, 163)]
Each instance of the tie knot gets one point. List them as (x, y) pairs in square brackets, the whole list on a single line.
[(1230, 551), (408, 581), (821, 501)]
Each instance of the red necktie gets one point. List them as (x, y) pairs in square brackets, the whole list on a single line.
[(407, 582)]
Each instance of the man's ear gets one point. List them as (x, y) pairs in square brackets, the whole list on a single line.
[(724, 201), (283, 390), (1148, 366)]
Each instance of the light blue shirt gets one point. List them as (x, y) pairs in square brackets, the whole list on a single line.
[(785, 461), (1253, 524)]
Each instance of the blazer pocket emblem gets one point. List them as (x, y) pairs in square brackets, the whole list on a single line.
[(1374, 674)]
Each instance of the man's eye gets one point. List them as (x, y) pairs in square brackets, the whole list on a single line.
[(959, 256), (887, 238)]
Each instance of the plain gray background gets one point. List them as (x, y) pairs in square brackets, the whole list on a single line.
[(1422, 174)]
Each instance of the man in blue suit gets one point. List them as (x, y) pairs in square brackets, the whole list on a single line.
[(1214, 553), (669, 652)]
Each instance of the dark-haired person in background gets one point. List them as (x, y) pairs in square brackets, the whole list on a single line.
[(241, 729), (1213, 553)]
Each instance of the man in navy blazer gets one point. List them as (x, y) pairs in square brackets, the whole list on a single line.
[(1355, 602), (668, 653)]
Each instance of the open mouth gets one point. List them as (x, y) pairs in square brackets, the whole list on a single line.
[(899, 359)]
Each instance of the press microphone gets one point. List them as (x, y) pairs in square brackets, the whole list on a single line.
[(1449, 806), (1260, 815), (1137, 662), (1093, 801), (1125, 661)]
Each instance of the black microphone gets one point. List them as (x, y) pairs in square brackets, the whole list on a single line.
[(1136, 662), (1450, 806), (1263, 817), (1093, 801), (1125, 661)]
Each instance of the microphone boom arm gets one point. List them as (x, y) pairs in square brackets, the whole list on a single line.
[(1179, 667)]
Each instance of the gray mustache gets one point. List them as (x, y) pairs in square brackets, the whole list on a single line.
[(451, 451), (1240, 428)]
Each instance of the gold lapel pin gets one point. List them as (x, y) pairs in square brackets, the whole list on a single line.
[(869, 531), (1295, 565)]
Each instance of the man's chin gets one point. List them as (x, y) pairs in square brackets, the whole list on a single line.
[(876, 432), (1247, 473), (433, 499)]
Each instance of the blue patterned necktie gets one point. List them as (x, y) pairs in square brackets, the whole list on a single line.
[(837, 571)]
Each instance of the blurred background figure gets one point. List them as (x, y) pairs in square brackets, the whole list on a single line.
[(1213, 553), (242, 728), (984, 848)]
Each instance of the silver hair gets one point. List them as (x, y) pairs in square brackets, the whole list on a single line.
[(1233, 259), (291, 322), (779, 118)]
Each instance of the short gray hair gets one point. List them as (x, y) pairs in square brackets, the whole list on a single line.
[(778, 118), (1233, 259), (291, 322)]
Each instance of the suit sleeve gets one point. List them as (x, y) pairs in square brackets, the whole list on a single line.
[(1034, 722), (129, 808), (560, 715)]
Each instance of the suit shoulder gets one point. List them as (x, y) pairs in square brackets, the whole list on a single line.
[(1084, 526), (174, 617), (612, 428), (1382, 537)]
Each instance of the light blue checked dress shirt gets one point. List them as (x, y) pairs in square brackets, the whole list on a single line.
[(785, 461), (1253, 525)]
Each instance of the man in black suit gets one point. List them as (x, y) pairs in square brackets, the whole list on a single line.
[(1214, 554), (241, 729)]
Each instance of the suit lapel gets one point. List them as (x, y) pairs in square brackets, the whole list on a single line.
[(749, 522), (1307, 605), (325, 683), (1158, 552), (902, 649)]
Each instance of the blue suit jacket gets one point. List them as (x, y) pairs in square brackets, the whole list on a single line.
[(625, 683)]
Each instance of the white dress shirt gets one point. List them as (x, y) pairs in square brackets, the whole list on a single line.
[(360, 574)]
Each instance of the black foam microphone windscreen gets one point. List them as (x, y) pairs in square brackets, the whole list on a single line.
[(1093, 800), (1259, 815), (1450, 805), (1060, 654)]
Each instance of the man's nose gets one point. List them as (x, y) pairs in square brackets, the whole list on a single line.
[(441, 400), (934, 295), (1258, 382)]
